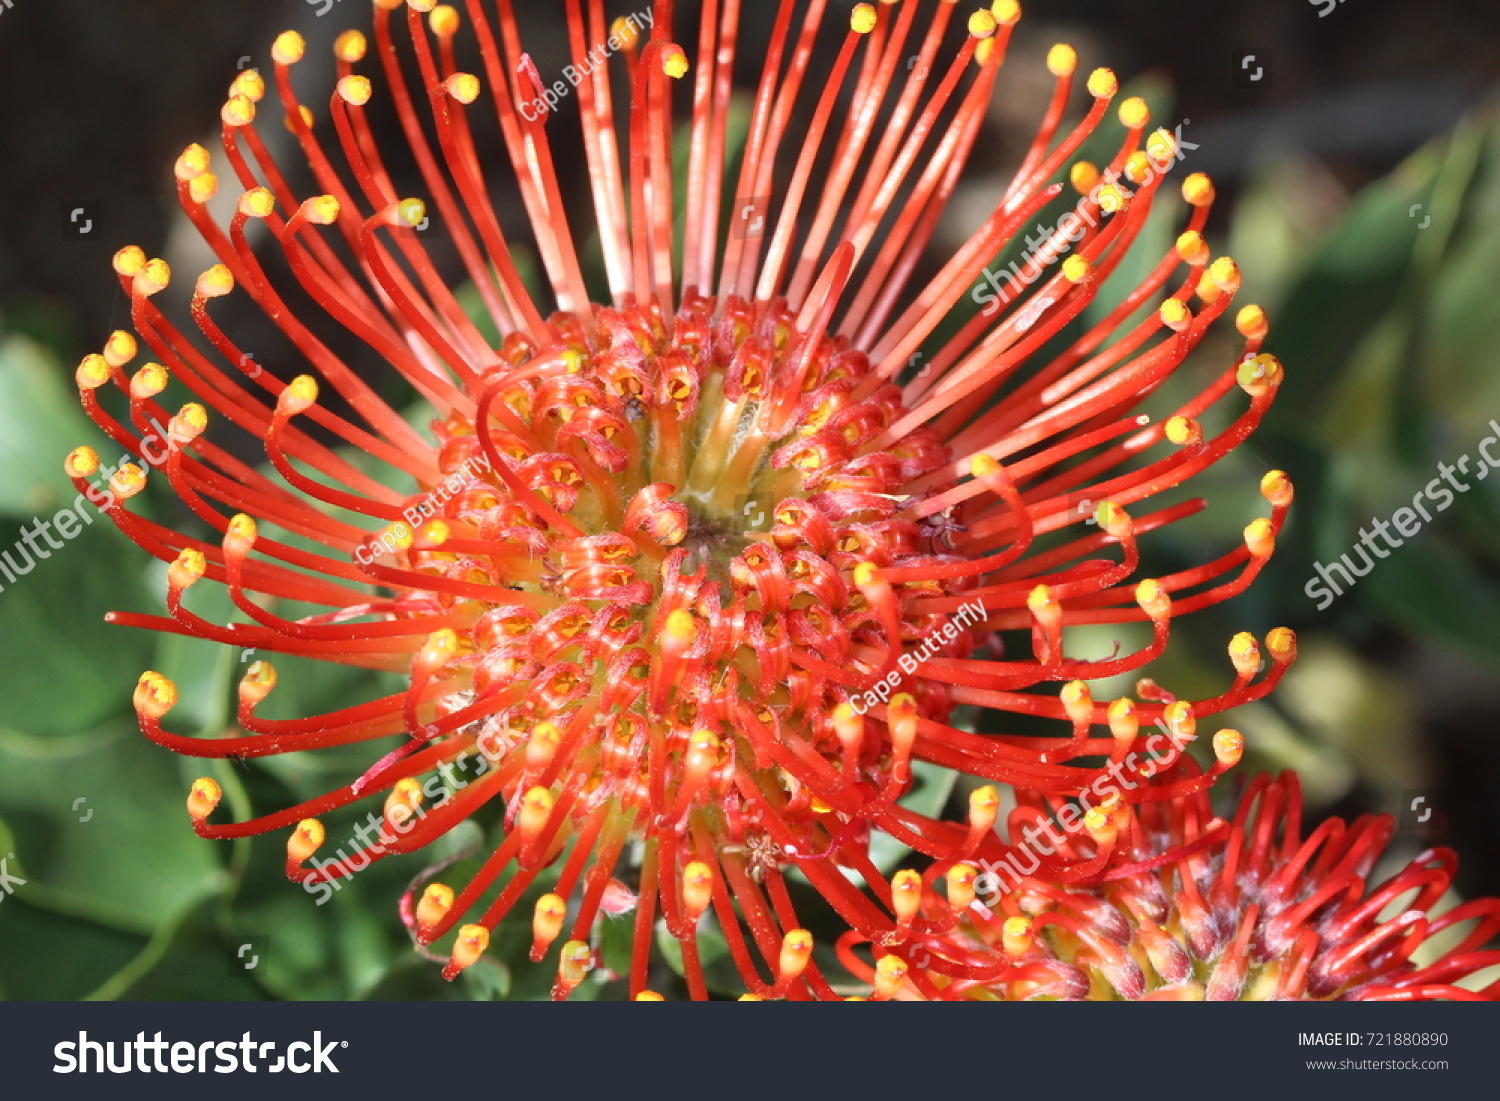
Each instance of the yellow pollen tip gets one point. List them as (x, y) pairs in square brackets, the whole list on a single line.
[(305, 840), (1180, 720), (1111, 198), (1100, 825), (350, 46), (193, 162), (203, 798), (444, 21), (355, 90), (1076, 269), (1137, 167), (1015, 934), (155, 277), (464, 87), (863, 18), (129, 480), (1259, 374), (984, 806), (472, 942), (1103, 84), (982, 465), (216, 282), (155, 695), (866, 574), (1134, 113), (238, 111), (1161, 146), (674, 62), (289, 48), (408, 213), (249, 84), (241, 534), (321, 210), (649, 996), (1153, 599), (1226, 274), (1113, 520), (1282, 642), (435, 903), (890, 973), (906, 894), (258, 202), (1174, 315), (982, 24), (1006, 12), (624, 31), (82, 462), (1198, 189), (1182, 431), (1252, 324), (149, 381), (300, 393), (1078, 703), (1276, 487), (129, 260), (1083, 176), (1260, 538), (257, 682), (189, 423), (92, 372), (1192, 248), (120, 348), (796, 950), (1062, 60), (576, 962), (1229, 747), (679, 626)]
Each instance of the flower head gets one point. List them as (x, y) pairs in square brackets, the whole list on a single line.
[(690, 579), (1198, 908)]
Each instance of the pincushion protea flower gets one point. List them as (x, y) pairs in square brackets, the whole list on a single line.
[(596, 632), (1200, 908)]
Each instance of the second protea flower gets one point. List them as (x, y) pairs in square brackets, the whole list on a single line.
[(690, 579)]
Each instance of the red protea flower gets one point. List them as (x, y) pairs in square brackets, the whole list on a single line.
[(597, 630), (1199, 908)]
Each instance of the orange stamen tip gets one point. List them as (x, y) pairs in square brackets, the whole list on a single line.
[(890, 973), (129, 260), (186, 568), (1276, 488), (257, 682), (1192, 248), (438, 650), (1112, 200), (155, 695), (129, 480), (1076, 268), (547, 922), (674, 62), (984, 808), (1134, 113), (863, 18), (625, 32), (960, 879), (1244, 654), (1077, 701), (1083, 176), (434, 904), (1252, 324), (289, 48), (1124, 720), (1229, 747), (241, 536), (983, 465), (92, 372), (1015, 935), (1260, 538), (216, 282), (1113, 520), (1103, 84), (258, 202), (321, 210), (1161, 146), (1282, 642), (1259, 375), (751, 998), (421, 7), (866, 575), (403, 799), (536, 807), (250, 84), (305, 840), (1044, 605), (299, 395), (796, 950), (203, 188), (203, 797), (1181, 722), (1062, 60), (542, 745), (906, 895), (464, 87), (472, 942), (1100, 825), (153, 278), (576, 962), (189, 423), (82, 462), (1006, 12), (1182, 431), (1153, 599), (1225, 274), (149, 381), (350, 46), (982, 24), (697, 888), (1207, 289), (1174, 315), (1198, 189), (649, 996), (120, 348), (192, 163), (355, 90), (1138, 167), (444, 21), (238, 110)]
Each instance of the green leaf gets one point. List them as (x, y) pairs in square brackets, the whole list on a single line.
[(40, 422)]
